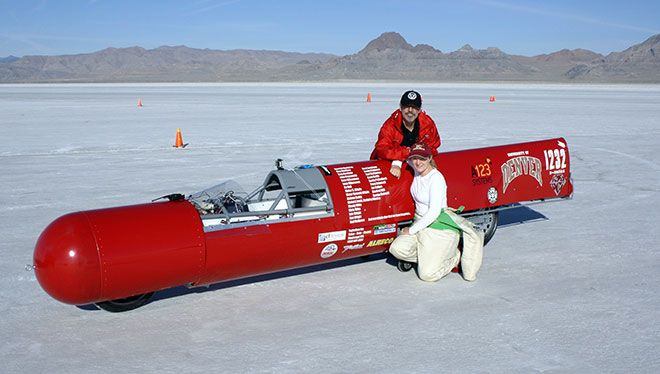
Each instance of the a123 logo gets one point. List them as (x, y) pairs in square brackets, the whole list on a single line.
[(482, 169)]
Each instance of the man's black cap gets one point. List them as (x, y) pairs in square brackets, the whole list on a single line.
[(411, 98)]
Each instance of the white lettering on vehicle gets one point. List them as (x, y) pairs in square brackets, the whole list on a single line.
[(517, 166), (555, 159)]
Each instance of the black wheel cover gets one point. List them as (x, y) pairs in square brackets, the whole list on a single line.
[(123, 305), (404, 266)]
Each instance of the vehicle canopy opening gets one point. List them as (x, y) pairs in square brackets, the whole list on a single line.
[(284, 195)]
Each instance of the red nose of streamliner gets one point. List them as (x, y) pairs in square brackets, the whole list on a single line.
[(66, 260), (114, 253)]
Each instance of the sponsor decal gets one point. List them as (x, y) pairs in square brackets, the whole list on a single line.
[(376, 242), (352, 247), (558, 182), (492, 195), (412, 96), (333, 236), (325, 169), (390, 216), (329, 250), (521, 165), (481, 172), (518, 153), (385, 229), (480, 181), (555, 159), (561, 144)]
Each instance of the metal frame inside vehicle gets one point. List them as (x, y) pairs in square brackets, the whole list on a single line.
[(285, 195)]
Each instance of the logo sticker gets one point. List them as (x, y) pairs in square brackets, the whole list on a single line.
[(481, 172), (412, 95), (558, 182), (522, 165), (352, 247), (376, 242), (385, 229), (329, 250), (333, 236), (492, 195)]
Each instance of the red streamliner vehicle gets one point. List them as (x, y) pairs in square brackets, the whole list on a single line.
[(118, 257)]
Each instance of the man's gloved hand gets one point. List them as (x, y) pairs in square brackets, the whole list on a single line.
[(396, 171)]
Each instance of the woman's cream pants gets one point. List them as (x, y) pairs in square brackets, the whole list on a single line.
[(435, 252)]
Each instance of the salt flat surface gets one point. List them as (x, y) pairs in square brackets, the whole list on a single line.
[(576, 292)]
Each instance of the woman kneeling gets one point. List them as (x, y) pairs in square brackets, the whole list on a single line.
[(428, 242)]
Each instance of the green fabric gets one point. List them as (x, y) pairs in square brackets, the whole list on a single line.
[(444, 222)]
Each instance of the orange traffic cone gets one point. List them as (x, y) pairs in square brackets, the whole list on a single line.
[(368, 97), (139, 103), (492, 99), (178, 143)]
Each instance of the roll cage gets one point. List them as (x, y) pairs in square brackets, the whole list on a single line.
[(284, 195)]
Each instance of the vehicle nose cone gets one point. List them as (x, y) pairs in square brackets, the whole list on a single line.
[(66, 260)]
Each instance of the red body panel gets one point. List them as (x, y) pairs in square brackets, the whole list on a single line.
[(113, 253), (66, 260), (119, 252), (246, 251), (519, 172)]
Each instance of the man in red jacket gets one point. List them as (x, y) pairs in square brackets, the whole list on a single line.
[(405, 127)]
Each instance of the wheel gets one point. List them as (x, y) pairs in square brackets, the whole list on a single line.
[(123, 305), (404, 266), (486, 222)]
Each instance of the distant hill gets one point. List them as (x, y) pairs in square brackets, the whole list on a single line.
[(388, 57), (163, 64), (8, 59), (639, 63)]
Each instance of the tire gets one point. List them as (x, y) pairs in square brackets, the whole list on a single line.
[(487, 223), (126, 304), (404, 266)]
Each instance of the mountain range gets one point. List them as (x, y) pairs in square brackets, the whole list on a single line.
[(389, 57)]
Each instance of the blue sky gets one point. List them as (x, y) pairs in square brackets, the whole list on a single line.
[(49, 27)]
